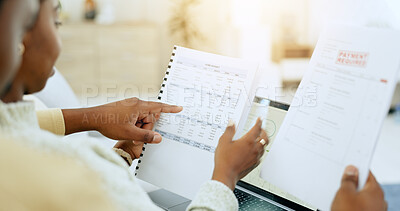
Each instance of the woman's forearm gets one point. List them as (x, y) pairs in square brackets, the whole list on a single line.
[(78, 120)]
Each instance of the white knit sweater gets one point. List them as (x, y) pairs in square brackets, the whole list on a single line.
[(18, 122)]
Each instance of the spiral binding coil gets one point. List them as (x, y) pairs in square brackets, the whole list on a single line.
[(159, 96)]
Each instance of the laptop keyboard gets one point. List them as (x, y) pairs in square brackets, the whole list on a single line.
[(248, 202)]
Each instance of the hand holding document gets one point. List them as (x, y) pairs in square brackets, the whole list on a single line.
[(337, 113), (212, 90)]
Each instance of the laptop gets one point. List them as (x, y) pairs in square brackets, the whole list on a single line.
[(253, 193)]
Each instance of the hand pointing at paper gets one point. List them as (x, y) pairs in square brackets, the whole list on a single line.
[(349, 198), (118, 120)]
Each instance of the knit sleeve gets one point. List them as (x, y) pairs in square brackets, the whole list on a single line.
[(51, 120), (214, 195)]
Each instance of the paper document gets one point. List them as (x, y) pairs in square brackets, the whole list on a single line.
[(336, 115), (212, 90), (275, 117)]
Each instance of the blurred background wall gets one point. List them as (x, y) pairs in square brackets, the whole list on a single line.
[(124, 51)]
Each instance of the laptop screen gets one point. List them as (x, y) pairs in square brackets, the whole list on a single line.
[(276, 114)]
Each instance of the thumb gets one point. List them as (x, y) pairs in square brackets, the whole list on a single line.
[(350, 179), (229, 132), (143, 135)]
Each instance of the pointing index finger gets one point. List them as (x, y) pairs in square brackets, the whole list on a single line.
[(156, 107), (171, 109)]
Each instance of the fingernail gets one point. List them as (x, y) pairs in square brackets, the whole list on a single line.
[(157, 138), (263, 142), (231, 123), (351, 171)]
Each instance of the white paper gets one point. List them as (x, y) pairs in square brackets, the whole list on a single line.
[(274, 121), (212, 89), (336, 114)]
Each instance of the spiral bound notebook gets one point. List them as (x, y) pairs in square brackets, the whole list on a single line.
[(212, 89)]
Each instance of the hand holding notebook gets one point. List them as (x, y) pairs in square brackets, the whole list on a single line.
[(212, 90)]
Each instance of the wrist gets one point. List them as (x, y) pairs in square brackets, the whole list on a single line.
[(91, 118), (226, 177)]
